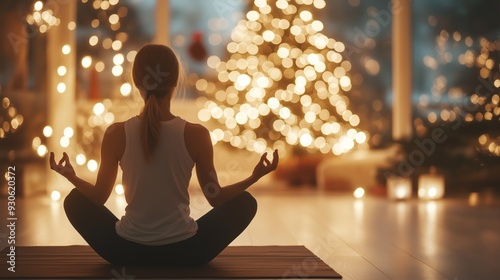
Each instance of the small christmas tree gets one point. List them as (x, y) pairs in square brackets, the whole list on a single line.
[(284, 85)]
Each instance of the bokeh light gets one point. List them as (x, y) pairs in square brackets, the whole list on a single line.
[(283, 96)]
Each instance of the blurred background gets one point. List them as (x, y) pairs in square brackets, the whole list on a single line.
[(313, 79)]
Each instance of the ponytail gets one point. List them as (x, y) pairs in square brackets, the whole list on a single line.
[(150, 124), (155, 74)]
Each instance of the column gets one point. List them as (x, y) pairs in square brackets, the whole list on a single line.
[(162, 22), (402, 123), (61, 73)]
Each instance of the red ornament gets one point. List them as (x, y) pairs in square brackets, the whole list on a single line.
[(197, 50)]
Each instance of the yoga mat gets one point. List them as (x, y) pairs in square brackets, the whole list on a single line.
[(235, 262)]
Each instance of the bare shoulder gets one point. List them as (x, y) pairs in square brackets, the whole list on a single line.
[(195, 130), (197, 140), (114, 139), (115, 131)]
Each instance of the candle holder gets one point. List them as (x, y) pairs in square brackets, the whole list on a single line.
[(398, 188), (431, 186)]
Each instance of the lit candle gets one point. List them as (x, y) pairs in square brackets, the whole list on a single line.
[(398, 187), (431, 186)]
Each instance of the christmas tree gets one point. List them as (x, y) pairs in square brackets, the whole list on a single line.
[(284, 86), (467, 102)]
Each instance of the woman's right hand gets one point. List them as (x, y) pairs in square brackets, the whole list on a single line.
[(265, 166), (64, 166)]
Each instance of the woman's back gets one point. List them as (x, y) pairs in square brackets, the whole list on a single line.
[(157, 152), (157, 209)]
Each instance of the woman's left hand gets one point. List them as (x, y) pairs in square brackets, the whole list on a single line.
[(265, 166), (64, 166)]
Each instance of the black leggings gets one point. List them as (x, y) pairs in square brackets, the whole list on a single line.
[(216, 230)]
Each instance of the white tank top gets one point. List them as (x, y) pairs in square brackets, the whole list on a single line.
[(156, 192)]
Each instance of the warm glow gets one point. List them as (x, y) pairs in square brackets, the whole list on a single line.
[(42, 150), (92, 165), (268, 35), (66, 49), (36, 142), (105, 5), (93, 40), (117, 70), (55, 195), (432, 192), (131, 56), (114, 18), (38, 6), (81, 159), (361, 137), (118, 59), (306, 140), (61, 70), (99, 66), (61, 87), (431, 186), (359, 193), (401, 193), (119, 189), (253, 16), (47, 131), (86, 61), (473, 199), (64, 142), (116, 45), (99, 108), (280, 66), (68, 132), (125, 89), (306, 15), (71, 25)]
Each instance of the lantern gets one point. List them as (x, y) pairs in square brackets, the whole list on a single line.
[(431, 186), (398, 187)]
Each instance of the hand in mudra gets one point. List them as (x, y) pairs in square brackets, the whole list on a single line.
[(265, 166), (64, 167)]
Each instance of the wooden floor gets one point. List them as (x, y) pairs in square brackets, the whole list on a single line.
[(370, 238)]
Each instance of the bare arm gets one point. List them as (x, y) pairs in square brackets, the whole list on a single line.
[(207, 176), (106, 176)]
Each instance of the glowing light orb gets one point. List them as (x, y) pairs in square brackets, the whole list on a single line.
[(61, 70), (99, 108), (55, 195), (359, 193), (81, 159), (119, 189), (92, 165), (42, 150), (68, 132), (47, 131), (66, 49), (125, 89), (86, 61)]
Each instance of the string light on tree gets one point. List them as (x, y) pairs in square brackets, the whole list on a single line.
[(445, 102), (285, 84), (42, 17)]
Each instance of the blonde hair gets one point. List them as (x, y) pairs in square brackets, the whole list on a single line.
[(155, 74)]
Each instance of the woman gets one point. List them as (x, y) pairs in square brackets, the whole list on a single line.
[(157, 152)]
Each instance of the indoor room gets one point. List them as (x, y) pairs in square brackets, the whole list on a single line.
[(249, 139)]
